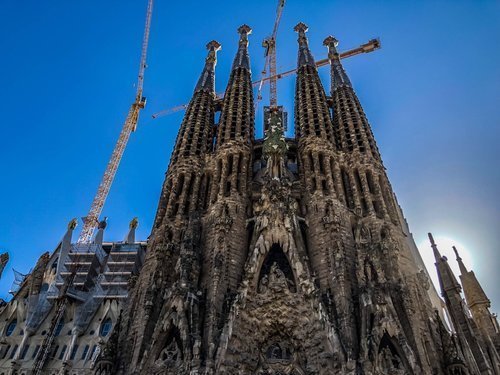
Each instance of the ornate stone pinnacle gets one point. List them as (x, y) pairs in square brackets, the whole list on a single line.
[(244, 29), (213, 45), (133, 223), (301, 27), (456, 253), (103, 223), (330, 41), (73, 223)]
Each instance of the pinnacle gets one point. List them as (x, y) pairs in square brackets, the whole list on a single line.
[(213, 45), (301, 27), (330, 41), (244, 29)]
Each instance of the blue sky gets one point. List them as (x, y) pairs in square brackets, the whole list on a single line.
[(69, 68)]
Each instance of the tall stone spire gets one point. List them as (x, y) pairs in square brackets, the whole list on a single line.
[(460, 262), (479, 306), (242, 60), (474, 293), (338, 74), (352, 130), (447, 279), (227, 203), (193, 140), (207, 78), (312, 117), (237, 116), (470, 340), (305, 57)]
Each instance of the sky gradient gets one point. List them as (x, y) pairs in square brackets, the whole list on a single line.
[(69, 67)]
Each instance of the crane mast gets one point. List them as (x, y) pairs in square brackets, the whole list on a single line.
[(92, 218), (270, 45)]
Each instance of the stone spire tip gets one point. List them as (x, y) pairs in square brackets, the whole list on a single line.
[(213, 45), (73, 223), (301, 27), (244, 29), (330, 41), (103, 223), (437, 255), (461, 265), (242, 60), (133, 223), (305, 56)]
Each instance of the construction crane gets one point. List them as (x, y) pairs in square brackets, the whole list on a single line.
[(92, 218), (370, 46), (270, 45)]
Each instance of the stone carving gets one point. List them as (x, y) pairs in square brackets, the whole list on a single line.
[(275, 281), (170, 356)]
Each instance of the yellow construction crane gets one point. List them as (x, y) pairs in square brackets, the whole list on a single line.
[(91, 221), (370, 46), (92, 218)]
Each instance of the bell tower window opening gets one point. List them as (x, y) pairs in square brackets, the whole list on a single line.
[(11, 327), (106, 327)]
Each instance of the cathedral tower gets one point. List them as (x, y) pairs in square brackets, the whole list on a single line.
[(289, 256)]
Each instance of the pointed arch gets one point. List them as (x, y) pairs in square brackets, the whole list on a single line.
[(390, 355), (276, 271), (171, 352)]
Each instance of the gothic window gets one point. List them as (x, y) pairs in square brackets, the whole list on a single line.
[(11, 327), (311, 162), (369, 180), (35, 352), (106, 327), (85, 352), (59, 327), (73, 352), (208, 190), (13, 352), (63, 351), (276, 273), (25, 350), (347, 189), (180, 185), (94, 348), (54, 352), (324, 186), (5, 352), (189, 199), (321, 160), (240, 175)]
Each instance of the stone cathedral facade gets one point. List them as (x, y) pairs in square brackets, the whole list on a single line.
[(268, 256), (289, 256)]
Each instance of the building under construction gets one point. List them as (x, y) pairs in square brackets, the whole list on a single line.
[(267, 256), (43, 335)]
